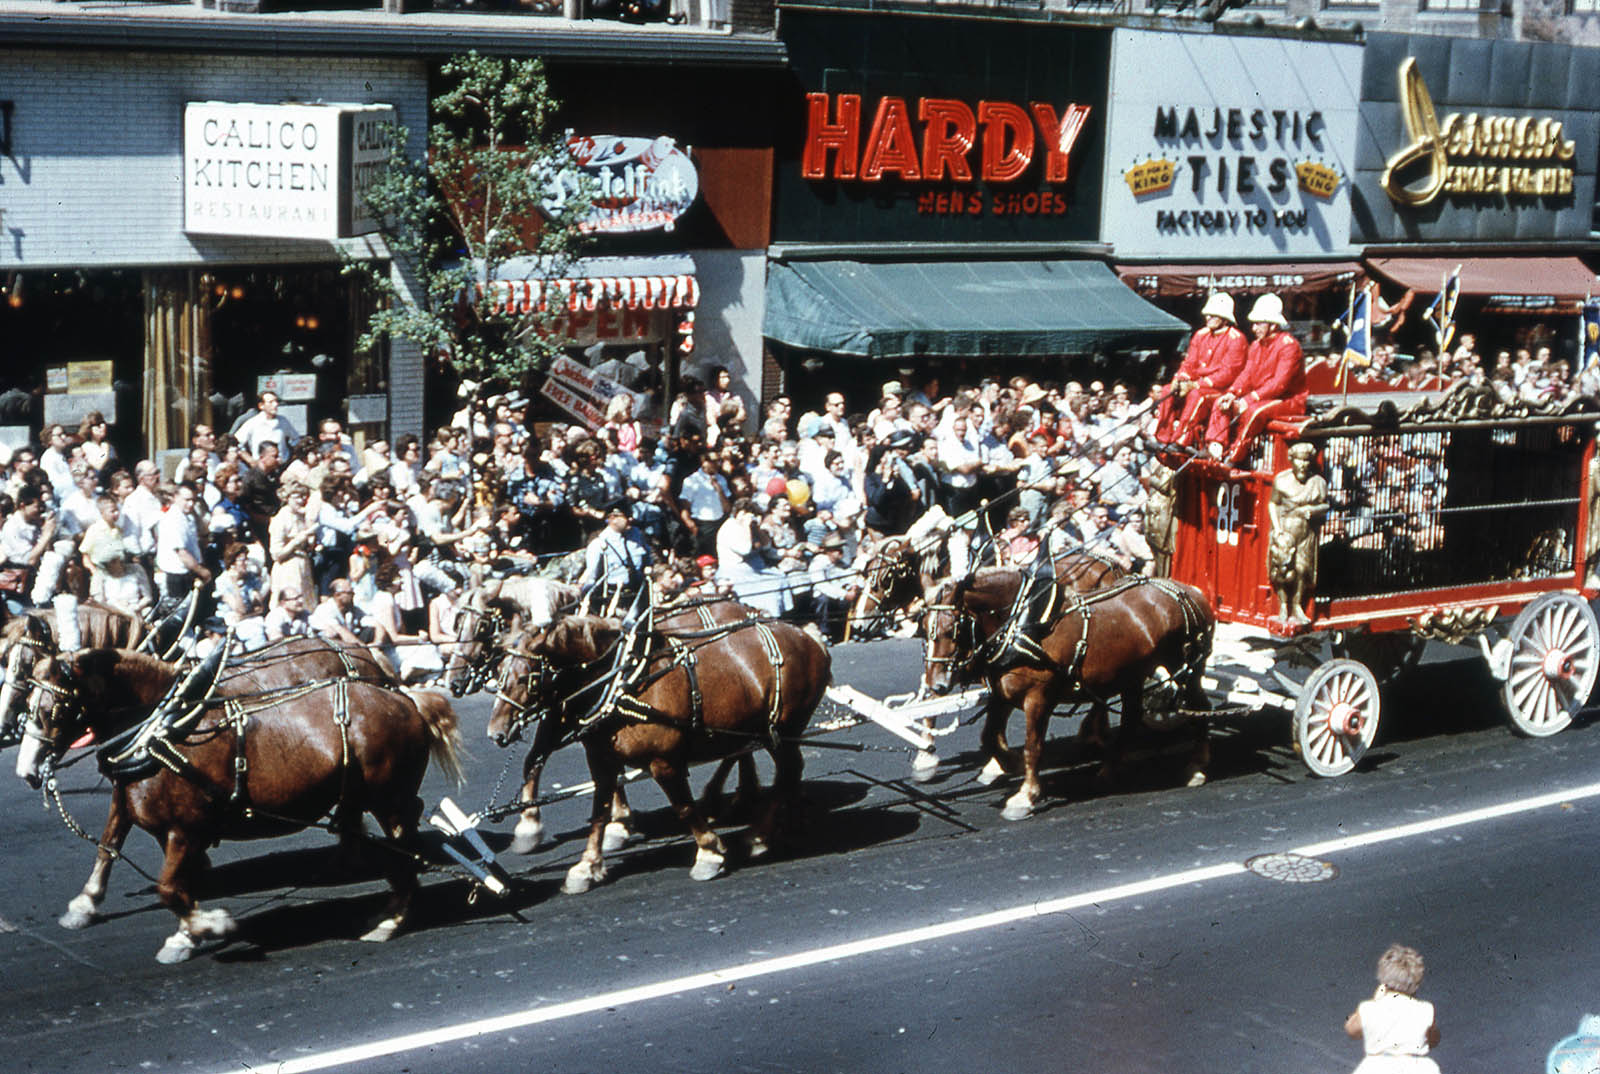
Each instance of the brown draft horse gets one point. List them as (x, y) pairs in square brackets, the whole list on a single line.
[(1105, 644), (343, 746), (529, 832), (697, 699), (270, 668), (493, 610), (28, 636)]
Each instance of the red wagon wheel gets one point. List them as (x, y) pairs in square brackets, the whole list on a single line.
[(1336, 717), (1553, 663)]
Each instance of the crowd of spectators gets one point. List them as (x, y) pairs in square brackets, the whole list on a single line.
[(287, 534)]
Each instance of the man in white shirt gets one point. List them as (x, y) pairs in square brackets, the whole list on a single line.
[(179, 559), (705, 504), (141, 511), (289, 618), (54, 461), (204, 438), (336, 618), (25, 542), (265, 424)]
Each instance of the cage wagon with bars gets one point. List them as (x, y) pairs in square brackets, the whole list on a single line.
[(1408, 519)]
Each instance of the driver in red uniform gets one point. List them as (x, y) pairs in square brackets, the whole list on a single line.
[(1272, 384), (1215, 356)]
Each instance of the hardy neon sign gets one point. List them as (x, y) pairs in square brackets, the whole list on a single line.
[(934, 140)]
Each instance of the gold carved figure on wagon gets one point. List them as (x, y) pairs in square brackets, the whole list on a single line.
[(1299, 500)]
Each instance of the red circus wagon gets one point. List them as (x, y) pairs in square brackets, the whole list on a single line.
[(1400, 520)]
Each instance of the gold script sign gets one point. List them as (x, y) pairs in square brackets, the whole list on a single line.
[(1464, 155)]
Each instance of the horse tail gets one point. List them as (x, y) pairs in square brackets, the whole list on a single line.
[(444, 731)]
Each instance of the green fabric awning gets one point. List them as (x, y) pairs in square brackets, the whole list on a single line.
[(958, 308)]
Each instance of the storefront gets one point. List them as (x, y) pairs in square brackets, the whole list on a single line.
[(938, 189), (671, 285), (1228, 170), (1480, 155), (161, 271)]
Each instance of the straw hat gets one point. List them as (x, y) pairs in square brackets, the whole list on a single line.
[(1219, 304), (1268, 310)]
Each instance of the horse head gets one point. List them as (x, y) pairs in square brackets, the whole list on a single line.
[(949, 635), (59, 690), (537, 675), (480, 621), (25, 639)]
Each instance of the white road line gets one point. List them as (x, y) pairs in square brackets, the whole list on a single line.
[(721, 978)]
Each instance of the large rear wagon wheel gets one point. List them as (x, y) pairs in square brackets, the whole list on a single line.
[(1555, 653), (1336, 717)]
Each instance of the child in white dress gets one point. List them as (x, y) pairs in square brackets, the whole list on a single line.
[(1395, 1027)]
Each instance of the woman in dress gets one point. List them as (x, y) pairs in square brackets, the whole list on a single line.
[(291, 538), (97, 449), (240, 599)]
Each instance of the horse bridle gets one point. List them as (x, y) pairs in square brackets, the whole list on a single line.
[(962, 630), (535, 682), (490, 622)]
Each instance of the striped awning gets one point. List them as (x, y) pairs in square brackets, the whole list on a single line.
[(663, 282), (588, 293)]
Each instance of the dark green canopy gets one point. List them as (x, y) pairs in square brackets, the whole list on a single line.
[(958, 308)]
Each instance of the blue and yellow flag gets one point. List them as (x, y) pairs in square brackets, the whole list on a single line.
[(1358, 332), (1442, 313)]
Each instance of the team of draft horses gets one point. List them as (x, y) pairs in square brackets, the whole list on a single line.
[(234, 743)]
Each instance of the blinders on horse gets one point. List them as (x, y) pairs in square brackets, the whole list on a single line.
[(961, 628), (484, 633), (534, 683)]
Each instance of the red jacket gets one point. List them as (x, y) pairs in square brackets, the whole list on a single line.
[(1273, 369), (1214, 359)]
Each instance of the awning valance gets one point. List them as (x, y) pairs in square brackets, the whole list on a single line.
[(665, 282), (1198, 281), (1561, 279), (964, 309)]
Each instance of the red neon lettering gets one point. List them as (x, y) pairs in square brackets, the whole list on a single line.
[(1001, 162), (821, 136), (949, 137), (1060, 135), (891, 147)]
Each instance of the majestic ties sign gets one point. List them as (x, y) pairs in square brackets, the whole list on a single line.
[(1232, 152)]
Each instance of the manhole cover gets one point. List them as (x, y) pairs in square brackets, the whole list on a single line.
[(1292, 868)]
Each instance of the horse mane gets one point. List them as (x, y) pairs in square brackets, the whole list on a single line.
[(581, 638), (116, 673)]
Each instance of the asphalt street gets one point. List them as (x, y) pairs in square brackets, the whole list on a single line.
[(911, 928)]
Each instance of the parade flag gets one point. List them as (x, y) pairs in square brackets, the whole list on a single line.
[(1358, 332), (1442, 313), (1589, 344)]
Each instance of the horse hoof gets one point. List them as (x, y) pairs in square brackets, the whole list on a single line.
[(80, 913), (382, 932), (1197, 780), (581, 877), (708, 865), (924, 765), (1017, 808), (178, 948), (991, 772), (616, 837), (527, 836), (758, 847)]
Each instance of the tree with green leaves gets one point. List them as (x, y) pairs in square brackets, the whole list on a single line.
[(471, 211)]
